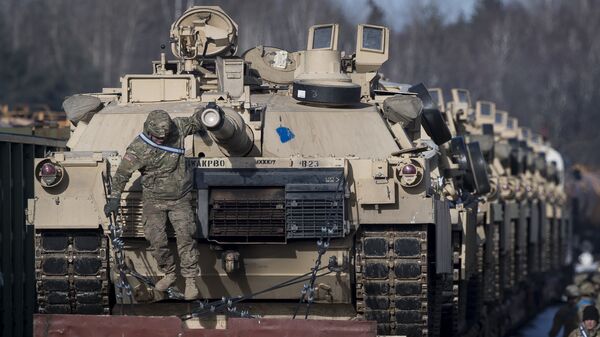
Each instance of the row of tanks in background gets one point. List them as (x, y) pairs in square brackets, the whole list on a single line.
[(413, 207)]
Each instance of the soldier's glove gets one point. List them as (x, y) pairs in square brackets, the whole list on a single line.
[(112, 205)]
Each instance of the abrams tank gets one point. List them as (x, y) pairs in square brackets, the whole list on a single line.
[(496, 227), (315, 182)]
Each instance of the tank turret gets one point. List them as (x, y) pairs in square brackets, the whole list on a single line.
[(228, 129)]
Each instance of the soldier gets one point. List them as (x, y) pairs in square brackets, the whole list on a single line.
[(567, 316), (589, 325), (159, 155), (596, 282), (587, 293)]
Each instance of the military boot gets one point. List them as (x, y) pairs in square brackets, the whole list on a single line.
[(165, 282), (191, 290)]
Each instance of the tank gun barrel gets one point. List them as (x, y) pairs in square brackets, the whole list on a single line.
[(228, 129)]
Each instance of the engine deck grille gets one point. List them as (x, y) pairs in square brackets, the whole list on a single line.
[(305, 218), (259, 206), (248, 220)]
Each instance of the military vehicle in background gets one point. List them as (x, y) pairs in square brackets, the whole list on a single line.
[(495, 307), (375, 194), (36, 119), (466, 304)]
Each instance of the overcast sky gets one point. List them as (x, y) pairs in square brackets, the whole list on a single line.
[(399, 10)]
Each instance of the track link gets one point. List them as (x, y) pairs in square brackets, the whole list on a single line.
[(452, 313), (72, 272), (392, 276), (491, 269)]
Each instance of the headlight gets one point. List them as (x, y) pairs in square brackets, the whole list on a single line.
[(410, 174), (48, 173)]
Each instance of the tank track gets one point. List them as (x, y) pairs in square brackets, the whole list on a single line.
[(546, 262), (72, 272), (491, 270), (475, 294), (507, 263), (453, 311), (393, 280)]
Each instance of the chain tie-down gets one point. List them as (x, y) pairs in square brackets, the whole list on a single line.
[(115, 233)]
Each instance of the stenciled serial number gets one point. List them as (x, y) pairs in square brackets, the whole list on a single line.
[(309, 163), (212, 163), (224, 163), (265, 161)]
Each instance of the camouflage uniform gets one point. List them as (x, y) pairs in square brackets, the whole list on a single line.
[(166, 190), (567, 317), (590, 314), (577, 333)]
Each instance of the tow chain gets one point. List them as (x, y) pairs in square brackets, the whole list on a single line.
[(115, 232), (308, 290), (206, 308), (227, 304)]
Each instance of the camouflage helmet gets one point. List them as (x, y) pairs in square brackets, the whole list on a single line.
[(572, 291), (587, 289), (158, 124)]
